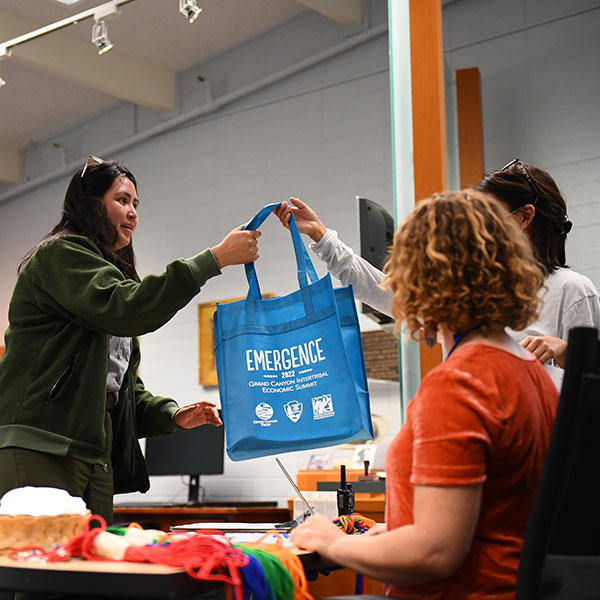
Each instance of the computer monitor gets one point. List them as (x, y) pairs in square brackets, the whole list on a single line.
[(191, 452), (376, 242)]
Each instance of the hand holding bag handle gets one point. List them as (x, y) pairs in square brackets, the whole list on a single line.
[(305, 266)]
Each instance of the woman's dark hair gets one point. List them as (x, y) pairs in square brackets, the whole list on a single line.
[(548, 231), (84, 213)]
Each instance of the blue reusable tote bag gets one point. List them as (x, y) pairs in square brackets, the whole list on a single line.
[(291, 369)]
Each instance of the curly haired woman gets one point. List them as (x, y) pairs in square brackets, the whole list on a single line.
[(463, 471)]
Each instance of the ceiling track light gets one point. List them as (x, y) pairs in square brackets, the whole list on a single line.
[(3, 54), (113, 7), (189, 9), (100, 37)]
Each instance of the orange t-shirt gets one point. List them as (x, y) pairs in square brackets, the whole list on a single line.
[(482, 417)]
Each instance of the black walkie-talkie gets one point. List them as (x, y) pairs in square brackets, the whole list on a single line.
[(345, 495)]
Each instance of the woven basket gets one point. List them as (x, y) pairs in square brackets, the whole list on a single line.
[(45, 531)]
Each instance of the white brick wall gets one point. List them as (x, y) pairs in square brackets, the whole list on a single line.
[(540, 89)]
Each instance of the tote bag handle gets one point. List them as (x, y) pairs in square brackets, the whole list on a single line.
[(305, 266)]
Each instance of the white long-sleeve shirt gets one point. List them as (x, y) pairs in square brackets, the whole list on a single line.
[(347, 266)]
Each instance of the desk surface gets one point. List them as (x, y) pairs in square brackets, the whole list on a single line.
[(212, 504), (138, 580), (202, 509), (135, 580), (167, 517)]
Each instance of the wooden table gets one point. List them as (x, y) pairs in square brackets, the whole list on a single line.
[(79, 578), (114, 579), (166, 517)]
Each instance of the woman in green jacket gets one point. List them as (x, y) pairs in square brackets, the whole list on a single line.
[(72, 406)]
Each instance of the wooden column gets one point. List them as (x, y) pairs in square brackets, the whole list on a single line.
[(429, 118), (470, 130)]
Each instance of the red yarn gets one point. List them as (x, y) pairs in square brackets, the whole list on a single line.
[(83, 544), (202, 557)]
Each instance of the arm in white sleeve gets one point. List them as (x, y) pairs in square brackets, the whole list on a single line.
[(347, 266), (575, 303), (583, 313)]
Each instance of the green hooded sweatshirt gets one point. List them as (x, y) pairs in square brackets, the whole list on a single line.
[(67, 301)]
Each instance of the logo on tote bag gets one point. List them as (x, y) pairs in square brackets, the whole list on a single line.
[(322, 407), (264, 412), (293, 410)]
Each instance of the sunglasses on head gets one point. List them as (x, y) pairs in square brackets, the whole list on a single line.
[(565, 225), (523, 169), (91, 159)]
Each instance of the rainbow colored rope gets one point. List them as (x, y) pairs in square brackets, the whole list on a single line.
[(354, 523)]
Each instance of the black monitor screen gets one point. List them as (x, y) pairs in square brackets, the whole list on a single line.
[(197, 451), (192, 452), (376, 232), (376, 242)]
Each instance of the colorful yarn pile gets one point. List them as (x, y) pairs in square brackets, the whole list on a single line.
[(257, 571), (202, 556), (282, 576), (255, 582), (354, 523)]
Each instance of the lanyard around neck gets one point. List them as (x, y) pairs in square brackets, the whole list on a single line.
[(458, 337)]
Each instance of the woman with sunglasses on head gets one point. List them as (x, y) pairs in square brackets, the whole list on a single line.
[(462, 472), (570, 299), (532, 198), (72, 406)]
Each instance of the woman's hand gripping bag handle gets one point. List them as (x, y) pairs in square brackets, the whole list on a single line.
[(287, 365), (305, 266)]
